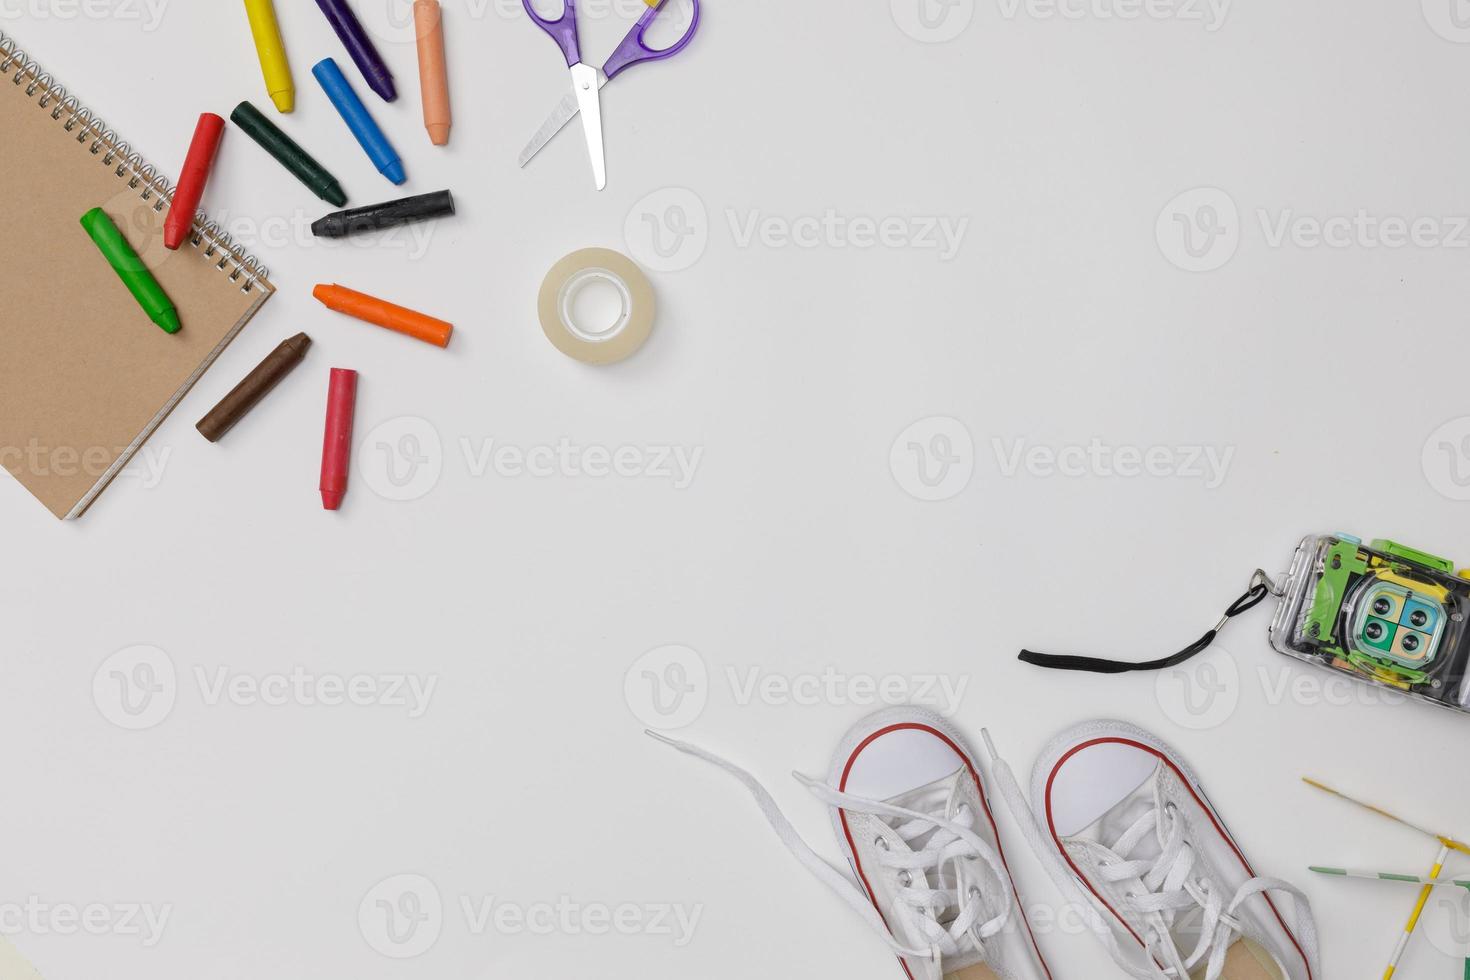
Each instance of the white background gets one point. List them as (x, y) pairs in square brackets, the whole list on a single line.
[(1065, 316)]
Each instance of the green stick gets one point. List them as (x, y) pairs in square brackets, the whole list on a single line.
[(1386, 876)]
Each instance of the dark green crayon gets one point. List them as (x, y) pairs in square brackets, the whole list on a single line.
[(130, 269), (289, 154), (422, 207)]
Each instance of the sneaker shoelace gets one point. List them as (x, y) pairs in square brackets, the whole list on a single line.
[(1173, 895), (941, 895), (1170, 891)]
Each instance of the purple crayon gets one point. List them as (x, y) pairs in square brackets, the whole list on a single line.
[(360, 47)]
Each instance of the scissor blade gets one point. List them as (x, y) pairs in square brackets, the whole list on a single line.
[(566, 110), (584, 84)]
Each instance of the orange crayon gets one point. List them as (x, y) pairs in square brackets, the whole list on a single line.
[(384, 314), (428, 20)]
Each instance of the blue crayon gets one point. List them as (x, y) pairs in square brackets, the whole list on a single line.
[(355, 114)]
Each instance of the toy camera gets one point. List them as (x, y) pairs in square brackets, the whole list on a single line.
[(1384, 612)]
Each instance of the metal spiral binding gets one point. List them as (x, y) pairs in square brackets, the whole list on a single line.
[(92, 133)]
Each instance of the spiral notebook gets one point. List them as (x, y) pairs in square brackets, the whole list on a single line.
[(85, 377)]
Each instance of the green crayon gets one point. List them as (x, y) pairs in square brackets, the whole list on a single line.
[(289, 154), (131, 270)]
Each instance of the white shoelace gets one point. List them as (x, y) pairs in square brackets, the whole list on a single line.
[(941, 859), (1170, 890)]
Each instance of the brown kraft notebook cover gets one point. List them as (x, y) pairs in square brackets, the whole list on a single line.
[(85, 376)]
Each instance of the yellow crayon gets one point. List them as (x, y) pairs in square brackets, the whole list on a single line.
[(272, 52)]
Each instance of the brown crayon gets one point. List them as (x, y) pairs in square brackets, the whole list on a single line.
[(255, 386)]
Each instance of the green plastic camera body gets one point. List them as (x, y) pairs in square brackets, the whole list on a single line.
[(1384, 612)]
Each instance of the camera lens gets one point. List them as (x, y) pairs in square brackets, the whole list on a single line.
[(1411, 643), (1382, 605), (1419, 617), (1374, 631)]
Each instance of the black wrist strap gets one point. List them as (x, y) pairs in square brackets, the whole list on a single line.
[(1254, 596)]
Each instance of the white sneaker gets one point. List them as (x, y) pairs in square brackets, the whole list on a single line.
[(910, 810), (1170, 892)]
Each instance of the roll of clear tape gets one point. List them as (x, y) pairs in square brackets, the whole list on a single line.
[(575, 272)]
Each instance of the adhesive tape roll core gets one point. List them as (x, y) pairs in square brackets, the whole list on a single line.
[(572, 274)]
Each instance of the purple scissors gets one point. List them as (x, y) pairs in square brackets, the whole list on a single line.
[(587, 81)]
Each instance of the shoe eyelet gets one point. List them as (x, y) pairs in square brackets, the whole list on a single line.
[(905, 879), (881, 843)]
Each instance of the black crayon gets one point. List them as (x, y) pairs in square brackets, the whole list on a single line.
[(375, 216)]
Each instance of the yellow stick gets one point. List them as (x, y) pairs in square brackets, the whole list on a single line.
[(1449, 842), (1424, 893)]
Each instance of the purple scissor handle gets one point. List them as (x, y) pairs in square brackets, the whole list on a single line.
[(633, 51), (563, 30)]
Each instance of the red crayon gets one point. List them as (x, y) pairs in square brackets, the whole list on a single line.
[(337, 444), (191, 182)]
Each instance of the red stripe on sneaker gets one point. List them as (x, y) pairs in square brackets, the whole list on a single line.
[(1209, 811), (984, 802)]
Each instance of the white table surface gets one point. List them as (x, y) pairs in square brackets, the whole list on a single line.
[(1055, 142)]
